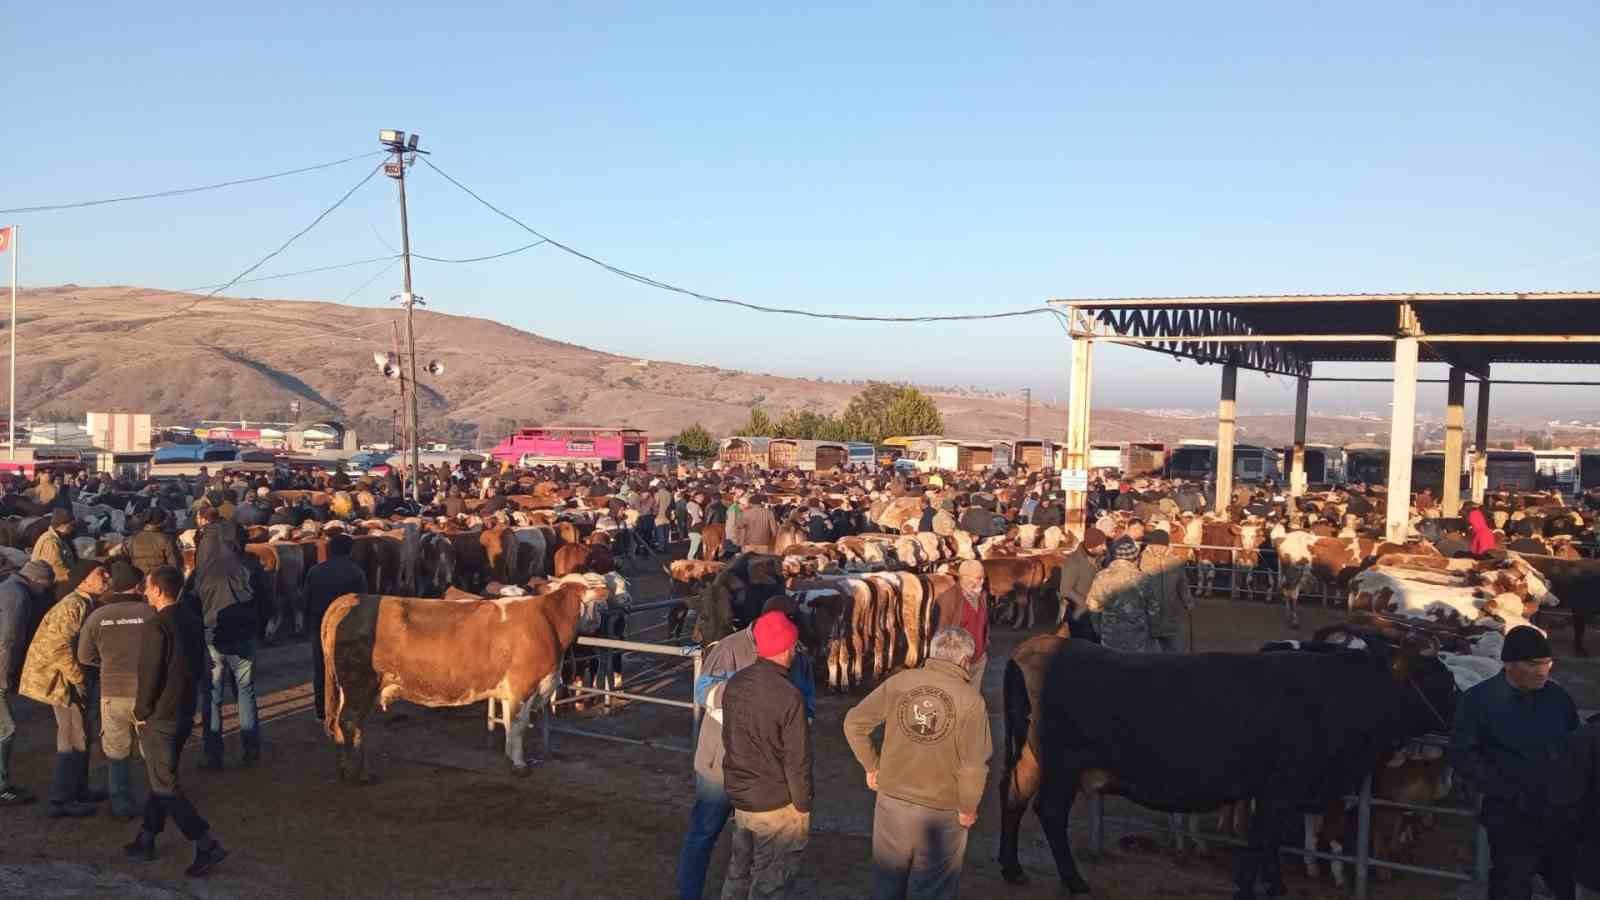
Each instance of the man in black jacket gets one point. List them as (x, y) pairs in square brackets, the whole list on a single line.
[(221, 584), (766, 766), (172, 662), (325, 583)]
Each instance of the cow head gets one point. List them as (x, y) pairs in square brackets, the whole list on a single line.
[(1427, 689)]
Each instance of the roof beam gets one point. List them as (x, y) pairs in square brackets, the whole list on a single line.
[(1257, 299)]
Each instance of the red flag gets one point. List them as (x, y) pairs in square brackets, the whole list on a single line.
[(5, 239)]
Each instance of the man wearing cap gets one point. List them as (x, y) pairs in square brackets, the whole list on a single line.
[(54, 548), (722, 660), (766, 744), (756, 530), (153, 547), (1124, 601), (23, 598), (1078, 571), (930, 772), (1508, 731), (52, 675), (109, 642), (1165, 574)]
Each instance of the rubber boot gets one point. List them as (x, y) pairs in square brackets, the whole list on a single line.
[(118, 780)]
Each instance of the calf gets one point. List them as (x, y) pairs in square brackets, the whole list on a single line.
[(689, 578)]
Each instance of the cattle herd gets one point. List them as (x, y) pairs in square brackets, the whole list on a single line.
[(484, 601)]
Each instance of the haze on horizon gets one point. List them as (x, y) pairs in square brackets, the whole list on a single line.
[(900, 160)]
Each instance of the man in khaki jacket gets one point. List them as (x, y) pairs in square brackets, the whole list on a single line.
[(930, 772), (1165, 573), (54, 548), (51, 674)]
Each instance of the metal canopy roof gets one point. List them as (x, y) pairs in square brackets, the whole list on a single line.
[(1287, 333)]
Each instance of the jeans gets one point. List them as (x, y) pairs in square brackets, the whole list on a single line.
[(645, 530), (917, 851), (706, 821), (1520, 849), (8, 733), (239, 660), (161, 743), (766, 853)]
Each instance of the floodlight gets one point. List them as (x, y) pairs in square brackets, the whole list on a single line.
[(412, 144), (391, 136)]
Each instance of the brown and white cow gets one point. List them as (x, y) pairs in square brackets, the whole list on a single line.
[(443, 654)]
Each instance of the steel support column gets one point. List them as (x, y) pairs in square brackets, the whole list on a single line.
[(1226, 412), (1402, 432), (1078, 400), (1455, 416), (1297, 462), (1480, 463)]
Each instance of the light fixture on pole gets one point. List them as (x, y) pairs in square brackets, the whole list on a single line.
[(404, 151)]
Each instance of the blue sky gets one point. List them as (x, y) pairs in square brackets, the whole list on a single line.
[(896, 159)]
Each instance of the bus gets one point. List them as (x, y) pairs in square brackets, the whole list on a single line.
[(606, 448), (1511, 470), (1324, 463), (862, 454), (1588, 469), (1556, 470), (1366, 463), (1197, 461)]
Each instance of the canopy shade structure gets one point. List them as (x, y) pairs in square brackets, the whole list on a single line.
[(1286, 334)]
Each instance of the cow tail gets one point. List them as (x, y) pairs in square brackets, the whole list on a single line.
[(1018, 710), (332, 697)]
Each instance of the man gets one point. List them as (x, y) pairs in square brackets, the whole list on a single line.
[(664, 513), (711, 809), (221, 583), (925, 520), (109, 641), (52, 675), (766, 743), (54, 549), (325, 583), (22, 597), (1166, 577), (153, 547), (970, 579), (172, 665), (977, 521), (694, 511), (930, 772), (1078, 571), (1507, 733), (1121, 603), (756, 531)]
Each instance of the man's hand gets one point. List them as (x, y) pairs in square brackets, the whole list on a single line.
[(967, 820), (872, 779)]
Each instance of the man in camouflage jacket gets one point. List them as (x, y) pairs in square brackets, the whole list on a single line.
[(1125, 601)]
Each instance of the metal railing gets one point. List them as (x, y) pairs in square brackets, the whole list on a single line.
[(1361, 860), (677, 654)]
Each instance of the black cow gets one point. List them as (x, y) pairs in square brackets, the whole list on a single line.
[(1577, 583), (1195, 733)]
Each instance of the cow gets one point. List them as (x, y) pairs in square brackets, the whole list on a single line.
[(689, 578), (441, 654), (737, 594), (1195, 733), (1403, 779), (436, 564), (1577, 583), (1222, 544), (1015, 583), (288, 569), (1019, 780)]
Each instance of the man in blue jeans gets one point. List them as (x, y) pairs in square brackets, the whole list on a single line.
[(221, 589), (711, 806)]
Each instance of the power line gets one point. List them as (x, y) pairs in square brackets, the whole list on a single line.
[(349, 265), (178, 192), (393, 261), (709, 298), (474, 259)]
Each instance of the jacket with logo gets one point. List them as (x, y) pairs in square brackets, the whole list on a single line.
[(936, 742)]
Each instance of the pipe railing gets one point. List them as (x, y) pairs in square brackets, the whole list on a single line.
[(675, 653)]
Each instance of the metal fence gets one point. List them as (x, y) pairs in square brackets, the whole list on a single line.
[(1361, 860)]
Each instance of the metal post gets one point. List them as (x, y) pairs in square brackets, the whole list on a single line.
[(1480, 463), (1226, 412), (1027, 412), (1297, 462), (1402, 427), (410, 300), (1078, 399), (694, 732), (1454, 452), (1363, 836)]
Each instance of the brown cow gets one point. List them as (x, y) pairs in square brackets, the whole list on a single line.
[(1015, 582), (712, 538), (582, 559), (689, 578), (433, 653)]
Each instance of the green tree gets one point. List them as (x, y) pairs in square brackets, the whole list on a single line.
[(695, 442), (758, 425), (882, 410)]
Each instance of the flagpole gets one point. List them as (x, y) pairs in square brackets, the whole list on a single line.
[(11, 417)]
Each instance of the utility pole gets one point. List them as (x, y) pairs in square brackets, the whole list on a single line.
[(1027, 412), (397, 143)]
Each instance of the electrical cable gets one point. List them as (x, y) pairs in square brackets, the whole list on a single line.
[(709, 298), (365, 284), (178, 192), (474, 259)]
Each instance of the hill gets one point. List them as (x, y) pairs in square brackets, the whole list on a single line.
[(184, 359)]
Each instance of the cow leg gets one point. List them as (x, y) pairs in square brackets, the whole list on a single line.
[(540, 700), (1261, 857), (1054, 807), (353, 710), (1313, 827)]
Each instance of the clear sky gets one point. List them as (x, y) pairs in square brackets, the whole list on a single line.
[(896, 159)]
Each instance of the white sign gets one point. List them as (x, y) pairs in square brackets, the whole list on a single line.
[(1075, 480)]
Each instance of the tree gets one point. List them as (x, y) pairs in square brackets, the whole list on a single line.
[(882, 410), (758, 425), (695, 442)]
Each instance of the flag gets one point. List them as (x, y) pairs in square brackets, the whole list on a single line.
[(5, 239)]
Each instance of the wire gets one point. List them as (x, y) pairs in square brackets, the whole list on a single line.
[(348, 265), (474, 259), (178, 192), (281, 247), (381, 272), (709, 298)]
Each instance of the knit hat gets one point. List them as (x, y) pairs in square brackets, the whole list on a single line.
[(1524, 643), (1158, 537), (774, 634), (124, 577), (1124, 548), (1093, 538)]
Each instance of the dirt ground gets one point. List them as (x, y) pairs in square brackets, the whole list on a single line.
[(597, 820)]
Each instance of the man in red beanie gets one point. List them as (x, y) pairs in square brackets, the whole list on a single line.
[(766, 766)]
